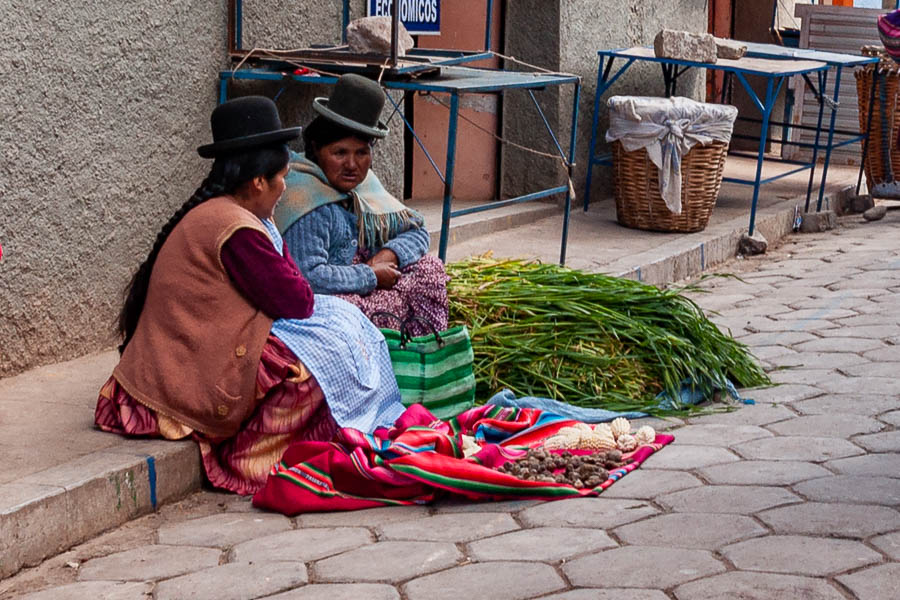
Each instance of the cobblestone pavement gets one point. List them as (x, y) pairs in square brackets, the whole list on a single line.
[(796, 497)]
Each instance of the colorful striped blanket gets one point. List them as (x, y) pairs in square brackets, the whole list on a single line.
[(421, 458)]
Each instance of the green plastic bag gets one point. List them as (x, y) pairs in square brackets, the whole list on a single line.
[(434, 370)]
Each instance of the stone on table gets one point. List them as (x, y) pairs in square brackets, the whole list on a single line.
[(731, 49), (372, 35), (685, 45)]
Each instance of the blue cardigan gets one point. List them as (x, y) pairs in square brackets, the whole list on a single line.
[(324, 242)]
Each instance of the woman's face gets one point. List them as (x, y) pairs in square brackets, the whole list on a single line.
[(345, 162), (271, 193)]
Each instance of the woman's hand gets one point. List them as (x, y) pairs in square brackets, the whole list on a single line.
[(386, 275), (384, 256)]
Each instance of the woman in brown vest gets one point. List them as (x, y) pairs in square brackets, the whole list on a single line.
[(223, 340)]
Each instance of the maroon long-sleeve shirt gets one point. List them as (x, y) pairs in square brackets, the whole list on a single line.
[(268, 280)]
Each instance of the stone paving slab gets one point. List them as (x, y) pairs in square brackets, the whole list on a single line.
[(757, 586), (603, 513), (234, 581), (388, 562), (840, 519), (623, 567), (791, 554), (799, 448), (540, 544), (741, 500), (846, 403), (857, 489), (341, 591), (609, 594), (875, 583), (495, 580), (832, 425), (301, 545), (763, 472), (149, 563), (463, 527), (646, 483), (889, 544), (703, 531), (95, 590), (223, 530)]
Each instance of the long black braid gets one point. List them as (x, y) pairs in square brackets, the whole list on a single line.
[(225, 176)]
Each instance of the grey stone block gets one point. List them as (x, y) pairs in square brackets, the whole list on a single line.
[(718, 435), (463, 527), (148, 563), (757, 586), (341, 591), (834, 425), (846, 404), (495, 580), (235, 581), (888, 441), (609, 594), (702, 531), (387, 562), (685, 45), (742, 500), (646, 484), (802, 448), (799, 555), (730, 49), (818, 222), (752, 245), (680, 457), (371, 517), (761, 413), (94, 590), (222, 530), (629, 567), (889, 544), (600, 513), (856, 489), (763, 472), (467, 506), (302, 545), (870, 464), (540, 544), (876, 583), (838, 519)]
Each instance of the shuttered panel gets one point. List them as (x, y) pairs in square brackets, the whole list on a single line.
[(833, 29)]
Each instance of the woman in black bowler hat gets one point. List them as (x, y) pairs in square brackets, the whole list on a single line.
[(350, 237), (223, 340)]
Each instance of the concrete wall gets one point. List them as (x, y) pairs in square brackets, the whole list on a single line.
[(565, 35), (102, 106)]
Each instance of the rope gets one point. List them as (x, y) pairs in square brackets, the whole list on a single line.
[(565, 163)]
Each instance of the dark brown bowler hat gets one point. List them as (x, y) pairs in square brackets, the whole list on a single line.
[(244, 123), (356, 104)]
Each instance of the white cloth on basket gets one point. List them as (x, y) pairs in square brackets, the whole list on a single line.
[(668, 128)]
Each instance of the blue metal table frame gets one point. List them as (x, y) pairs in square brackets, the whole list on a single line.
[(457, 81), (838, 62), (775, 72)]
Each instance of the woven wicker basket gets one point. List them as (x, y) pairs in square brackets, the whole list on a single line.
[(639, 204), (882, 162)]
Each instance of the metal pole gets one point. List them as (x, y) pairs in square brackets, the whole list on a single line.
[(571, 174), (395, 31), (593, 146), (489, 25), (822, 78), (763, 134), (837, 89), (448, 177)]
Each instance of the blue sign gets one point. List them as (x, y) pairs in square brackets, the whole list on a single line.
[(421, 17)]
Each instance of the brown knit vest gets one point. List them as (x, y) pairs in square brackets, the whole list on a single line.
[(196, 349)]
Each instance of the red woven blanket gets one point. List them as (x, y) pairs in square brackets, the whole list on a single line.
[(420, 458)]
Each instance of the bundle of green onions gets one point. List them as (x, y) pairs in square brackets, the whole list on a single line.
[(589, 339)]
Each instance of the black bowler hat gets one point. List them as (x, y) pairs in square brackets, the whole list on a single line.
[(356, 104), (245, 123)]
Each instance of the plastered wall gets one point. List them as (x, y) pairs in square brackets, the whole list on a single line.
[(565, 35), (102, 106)]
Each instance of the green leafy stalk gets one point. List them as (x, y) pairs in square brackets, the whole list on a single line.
[(589, 339)]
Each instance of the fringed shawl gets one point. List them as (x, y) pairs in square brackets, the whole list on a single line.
[(381, 216)]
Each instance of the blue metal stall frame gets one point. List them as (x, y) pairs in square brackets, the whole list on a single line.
[(775, 71), (457, 81), (417, 59), (837, 61)]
